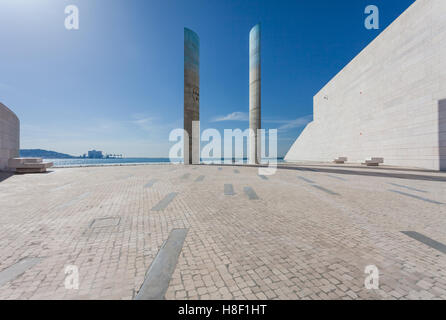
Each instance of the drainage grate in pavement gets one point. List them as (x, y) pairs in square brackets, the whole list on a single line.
[(426, 240), (252, 195), (17, 269), (415, 196), (160, 272), (105, 222), (165, 202)]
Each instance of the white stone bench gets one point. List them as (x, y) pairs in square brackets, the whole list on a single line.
[(340, 160), (374, 162), (28, 165)]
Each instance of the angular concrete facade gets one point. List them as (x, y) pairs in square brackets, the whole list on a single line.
[(254, 96), (389, 101), (191, 97), (9, 136)]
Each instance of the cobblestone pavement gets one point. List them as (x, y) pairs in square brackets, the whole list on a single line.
[(307, 232)]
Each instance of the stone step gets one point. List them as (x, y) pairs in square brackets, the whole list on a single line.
[(17, 161), (34, 165), (340, 160), (370, 163), (374, 162), (379, 160), (31, 170), (28, 165)]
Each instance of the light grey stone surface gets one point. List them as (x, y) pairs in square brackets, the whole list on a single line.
[(389, 101), (294, 242), (9, 136)]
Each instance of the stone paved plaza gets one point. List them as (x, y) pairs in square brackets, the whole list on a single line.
[(307, 232)]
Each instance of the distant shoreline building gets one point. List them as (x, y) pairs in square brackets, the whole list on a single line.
[(94, 154)]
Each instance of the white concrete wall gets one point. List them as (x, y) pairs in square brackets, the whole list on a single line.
[(386, 101), (9, 136)]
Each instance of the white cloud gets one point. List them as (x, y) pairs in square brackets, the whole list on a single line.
[(235, 116)]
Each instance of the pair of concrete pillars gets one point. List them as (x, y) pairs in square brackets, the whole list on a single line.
[(192, 97)]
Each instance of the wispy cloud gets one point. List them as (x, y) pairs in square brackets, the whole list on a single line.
[(145, 123), (155, 127), (235, 116), (296, 123), (6, 87), (286, 124)]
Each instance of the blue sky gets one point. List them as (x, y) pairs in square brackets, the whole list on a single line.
[(116, 84)]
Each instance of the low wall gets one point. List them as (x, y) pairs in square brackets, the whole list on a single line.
[(9, 136), (389, 100)]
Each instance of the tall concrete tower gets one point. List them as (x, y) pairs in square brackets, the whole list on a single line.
[(254, 96), (191, 97)]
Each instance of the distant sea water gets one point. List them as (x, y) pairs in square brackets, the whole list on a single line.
[(80, 162)]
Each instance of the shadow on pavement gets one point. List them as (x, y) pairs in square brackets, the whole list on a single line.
[(5, 175), (408, 176), (371, 172)]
